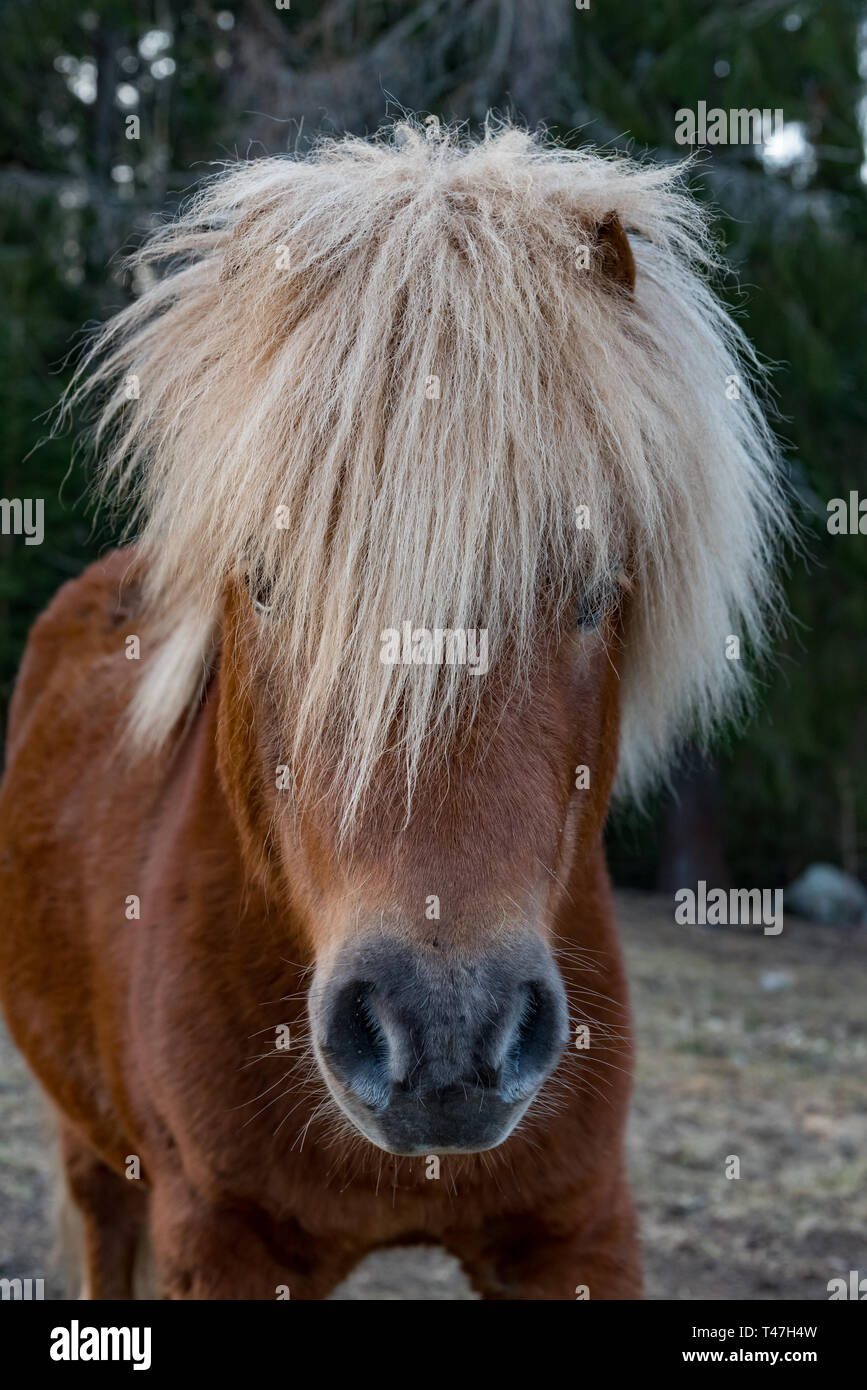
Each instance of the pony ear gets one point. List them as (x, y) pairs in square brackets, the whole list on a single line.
[(614, 253)]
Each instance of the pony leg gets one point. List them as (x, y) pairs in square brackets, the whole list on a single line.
[(112, 1221), (524, 1262), (204, 1251)]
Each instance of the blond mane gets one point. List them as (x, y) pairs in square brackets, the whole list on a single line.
[(398, 341)]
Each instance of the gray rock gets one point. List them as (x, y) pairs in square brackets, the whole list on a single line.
[(825, 894), (772, 981)]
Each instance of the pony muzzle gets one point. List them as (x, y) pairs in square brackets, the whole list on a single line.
[(428, 1050)]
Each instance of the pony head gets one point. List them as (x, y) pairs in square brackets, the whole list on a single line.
[(463, 491)]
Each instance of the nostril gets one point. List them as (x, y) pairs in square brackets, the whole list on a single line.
[(356, 1045), (535, 1045)]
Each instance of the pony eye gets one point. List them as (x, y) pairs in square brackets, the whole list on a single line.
[(260, 590), (590, 615), (591, 607), (593, 603)]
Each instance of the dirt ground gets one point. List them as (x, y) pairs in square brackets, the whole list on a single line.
[(748, 1045)]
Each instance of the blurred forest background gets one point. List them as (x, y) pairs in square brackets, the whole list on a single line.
[(209, 82)]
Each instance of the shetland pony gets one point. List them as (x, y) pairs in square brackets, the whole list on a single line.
[(308, 937)]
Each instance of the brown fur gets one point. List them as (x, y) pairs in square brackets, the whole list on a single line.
[(142, 1032)]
